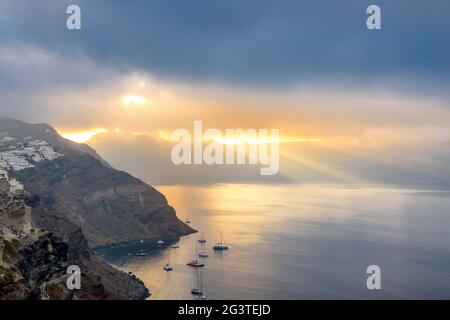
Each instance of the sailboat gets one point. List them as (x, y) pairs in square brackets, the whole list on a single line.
[(202, 239), (198, 290), (219, 246), (141, 254), (168, 267), (195, 263), (203, 253), (187, 219)]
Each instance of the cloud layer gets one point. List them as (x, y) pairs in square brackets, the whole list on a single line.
[(252, 42), (378, 99)]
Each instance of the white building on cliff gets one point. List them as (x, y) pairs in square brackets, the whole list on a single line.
[(15, 187)]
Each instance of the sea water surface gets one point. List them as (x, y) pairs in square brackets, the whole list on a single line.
[(301, 242)]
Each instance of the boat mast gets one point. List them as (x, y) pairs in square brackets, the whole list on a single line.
[(198, 282)]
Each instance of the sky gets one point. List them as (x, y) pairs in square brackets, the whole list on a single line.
[(359, 106)]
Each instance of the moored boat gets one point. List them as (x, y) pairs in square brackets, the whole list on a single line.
[(219, 246), (168, 267), (195, 264), (141, 254), (198, 290), (202, 238)]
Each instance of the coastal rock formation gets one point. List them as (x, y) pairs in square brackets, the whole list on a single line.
[(33, 262), (77, 185), (58, 200)]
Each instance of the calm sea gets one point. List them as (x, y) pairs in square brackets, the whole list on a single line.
[(301, 242)]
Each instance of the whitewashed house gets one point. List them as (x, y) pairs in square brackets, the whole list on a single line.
[(15, 187), (4, 174)]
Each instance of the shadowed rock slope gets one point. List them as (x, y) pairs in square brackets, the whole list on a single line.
[(33, 261), (109, 205)]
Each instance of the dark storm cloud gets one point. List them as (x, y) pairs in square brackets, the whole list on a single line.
[(258, 42)]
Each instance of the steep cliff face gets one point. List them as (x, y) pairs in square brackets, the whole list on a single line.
[(34, 262), (109, 205), (79, 187), (58, 199)]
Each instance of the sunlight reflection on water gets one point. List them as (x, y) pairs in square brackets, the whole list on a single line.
[(293, 242)]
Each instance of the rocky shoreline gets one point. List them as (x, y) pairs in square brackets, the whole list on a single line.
[(34, 262), (68, 202)]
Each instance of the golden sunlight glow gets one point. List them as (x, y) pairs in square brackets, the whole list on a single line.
[(133, 100), (166, 136), (254, 140), (82, 136)]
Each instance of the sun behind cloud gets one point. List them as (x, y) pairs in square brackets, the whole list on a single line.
[(134, 100), (81, 136)]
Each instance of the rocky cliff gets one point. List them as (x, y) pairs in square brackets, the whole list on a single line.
[(78, 186), (59, 199), (34, 262)]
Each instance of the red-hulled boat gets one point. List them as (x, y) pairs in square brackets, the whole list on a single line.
[(195, 264)]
